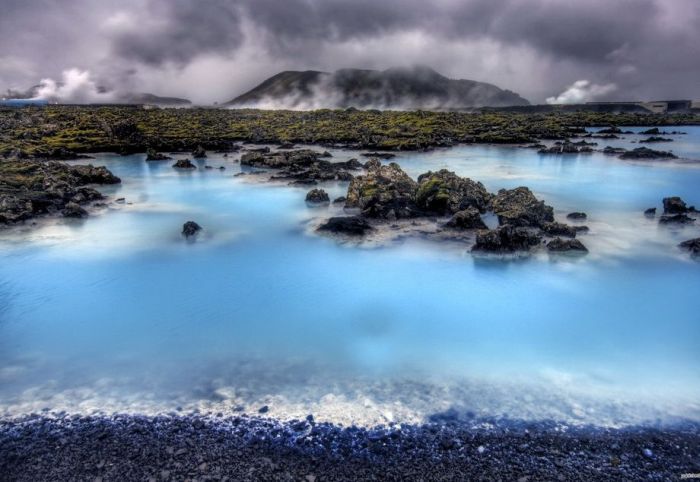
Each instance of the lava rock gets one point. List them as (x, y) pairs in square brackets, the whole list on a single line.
[(339, 200), (73, 210), (469, 218), (559, 229), (317, 196), (646, 153), (563, 245), (385, 192), (577, 216), (675, 219), (199, 153), (349, 225), (674, 205), (656, 139), (153, 155), (444, 192), (379, 155), (519, 207), (190, 228), (506, 239), (650, 213), (692, 245), (184, 164)]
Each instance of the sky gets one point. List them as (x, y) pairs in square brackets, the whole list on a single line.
[(560, 51)]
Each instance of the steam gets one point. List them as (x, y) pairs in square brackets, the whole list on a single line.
[(76, 86), (582, 91)]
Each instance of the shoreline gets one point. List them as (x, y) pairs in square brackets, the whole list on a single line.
[(135, 447)]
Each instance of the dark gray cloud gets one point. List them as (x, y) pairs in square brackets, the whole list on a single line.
[(211, 50)]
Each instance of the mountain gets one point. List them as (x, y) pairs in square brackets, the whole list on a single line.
[(396, 88), (109, 97)]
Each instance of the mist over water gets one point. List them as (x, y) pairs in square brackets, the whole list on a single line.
[(119, 313)]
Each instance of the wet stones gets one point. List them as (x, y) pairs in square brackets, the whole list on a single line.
[(73, 210), (317, 196), (469, 218), (190, 228), (559, 229), (199, 153), (153, 155), (577, 216), (674, 205), (646, 153), (692, 246), (348, 225), (559, 245), (184, 164), (520, 207), (385, 192), (444, 192), (506, 239)]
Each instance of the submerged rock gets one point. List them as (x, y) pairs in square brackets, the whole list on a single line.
[(339, 200), (562, 245), (469, 218), (614, 151), (675, 219), (519, 207), (184, 164), (577, 216), (674, 205), (444, 192), (385, 192), (317, 196), (656, 139), (190, 228), (692, 245), (646, 153), (153, 155), (506, 239), (73, 210), (559, 229), (301, 165), (33, 188), (650, 213), (379, 155), (349, 225), (199, 153)]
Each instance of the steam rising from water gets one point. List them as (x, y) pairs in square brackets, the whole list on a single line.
[(76, 86), (582, 91)]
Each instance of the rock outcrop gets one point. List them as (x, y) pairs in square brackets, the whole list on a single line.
[(646, 153), (301, 166), (385, 192), (674, 205), (692, 246), (506, 239), (469, 218), (564, 245), (348, 225), (33, 188), (444, 192), (520, 207), (184, 164), (153, 155), (317, 196)]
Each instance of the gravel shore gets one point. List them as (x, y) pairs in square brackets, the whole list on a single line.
[(193, 447)]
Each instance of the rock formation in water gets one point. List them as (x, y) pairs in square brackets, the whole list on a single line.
[(646, 153), (32, 188), (184, 164), (317, 196), (397, 88), (190, 228)]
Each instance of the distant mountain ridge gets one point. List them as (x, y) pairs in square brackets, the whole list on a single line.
[(117, 98), (396, 88)]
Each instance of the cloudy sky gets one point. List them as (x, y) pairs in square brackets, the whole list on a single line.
[(213, 50)]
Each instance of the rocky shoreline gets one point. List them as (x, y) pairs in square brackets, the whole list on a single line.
[(194, 447)]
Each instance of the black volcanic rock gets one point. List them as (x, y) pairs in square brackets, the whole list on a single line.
[(576, 216), (646, 153), (656, 139), (675, 219), (559, 229), (190, 228), (469, 218), (153, 155), (651, 212), (674, 205), (692, 245), (384, 192), (184, 164), (506, 239), (199, 153), (415, 88), (317, 196), (444, 192), (349, 225), (561, 245), (519, 207), (73, 210)]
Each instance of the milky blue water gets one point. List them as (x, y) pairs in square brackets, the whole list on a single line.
[(119, 313)]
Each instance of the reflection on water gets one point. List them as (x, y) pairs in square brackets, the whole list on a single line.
[(117, 312)]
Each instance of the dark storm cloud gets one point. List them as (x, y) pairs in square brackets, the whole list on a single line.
[(646, 48)]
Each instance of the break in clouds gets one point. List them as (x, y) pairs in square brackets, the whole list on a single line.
[(545, 50)]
